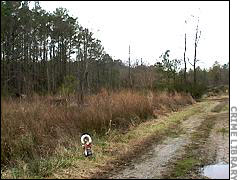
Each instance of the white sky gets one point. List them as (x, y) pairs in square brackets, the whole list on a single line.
[(151, 27)]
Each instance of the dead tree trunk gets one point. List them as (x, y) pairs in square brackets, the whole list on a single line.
[(129, 70), (197, 37), (184, 59)]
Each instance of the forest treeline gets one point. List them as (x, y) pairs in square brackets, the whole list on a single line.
[(50, 52)]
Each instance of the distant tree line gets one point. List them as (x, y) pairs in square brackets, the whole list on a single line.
[(195, 81), (43, 52)]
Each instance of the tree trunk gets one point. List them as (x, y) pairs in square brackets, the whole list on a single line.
[(194, 62), (185, 63)]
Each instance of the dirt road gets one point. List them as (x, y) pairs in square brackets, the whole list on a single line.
[(161, 160)]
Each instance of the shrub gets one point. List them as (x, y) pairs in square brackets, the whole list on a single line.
[(69, 85)]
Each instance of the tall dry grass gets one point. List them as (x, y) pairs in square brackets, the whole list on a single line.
[(34, 127)]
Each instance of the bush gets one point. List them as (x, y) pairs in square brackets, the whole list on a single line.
[(69, 85), (196, 91)]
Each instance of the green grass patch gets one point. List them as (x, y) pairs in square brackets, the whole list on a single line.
[(226, 107), (223, 131), (183, 166)]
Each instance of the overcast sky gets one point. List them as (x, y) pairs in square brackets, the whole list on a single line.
[(152, 27)]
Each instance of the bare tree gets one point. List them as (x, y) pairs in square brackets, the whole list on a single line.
[(197, 37), (129, 69), (184, 57)]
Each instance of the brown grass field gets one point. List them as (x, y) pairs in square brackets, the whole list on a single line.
[(33, 128)]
